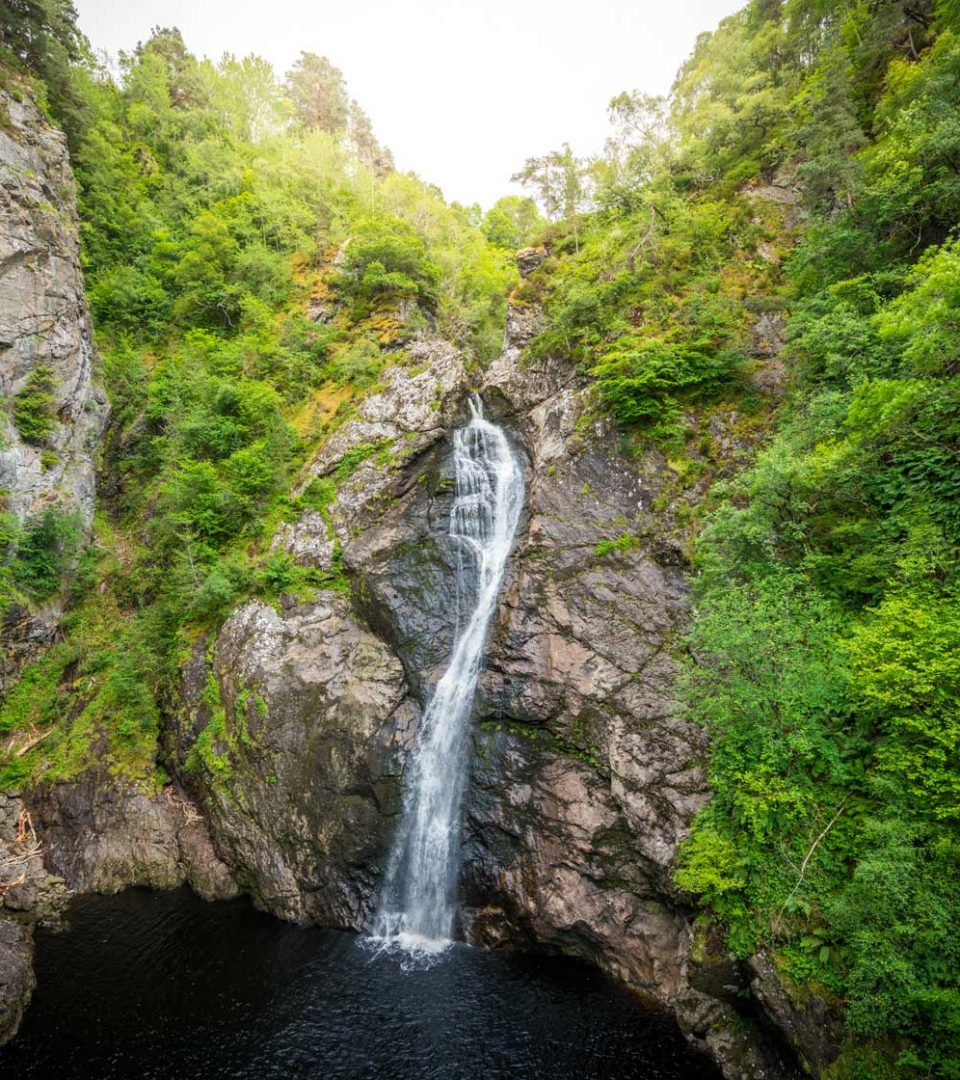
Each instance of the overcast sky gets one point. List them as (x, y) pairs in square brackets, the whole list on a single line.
[(462, 92)]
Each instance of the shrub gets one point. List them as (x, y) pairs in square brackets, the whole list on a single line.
[(48, 548), (33, 406)]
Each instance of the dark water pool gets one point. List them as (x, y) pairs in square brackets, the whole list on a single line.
[(163, 985)]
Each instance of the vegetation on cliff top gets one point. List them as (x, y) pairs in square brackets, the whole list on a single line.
[(253, 263)]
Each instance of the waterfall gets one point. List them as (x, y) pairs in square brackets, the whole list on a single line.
[(418, 904)]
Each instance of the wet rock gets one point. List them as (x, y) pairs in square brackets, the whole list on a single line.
[(809, 1024), (28, 895), (315, 718), (103, 837), (28, 890), (16, 974), (585, 777), (408, 568)]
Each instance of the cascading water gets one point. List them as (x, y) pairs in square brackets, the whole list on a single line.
[(418, 903)]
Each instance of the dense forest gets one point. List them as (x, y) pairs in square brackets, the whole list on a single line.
[(806, 168)]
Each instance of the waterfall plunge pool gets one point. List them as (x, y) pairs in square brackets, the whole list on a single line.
[(163, 986)]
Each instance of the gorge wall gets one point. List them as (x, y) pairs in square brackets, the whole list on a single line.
[(296, 723), (55, 408), (290, 733), (95, 834)]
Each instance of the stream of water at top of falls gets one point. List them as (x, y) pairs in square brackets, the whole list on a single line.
[(417, 911)]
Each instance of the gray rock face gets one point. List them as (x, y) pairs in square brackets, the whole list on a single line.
[(585, 778), (528, 259), (44, 323), (807, 1022), (314, 708), (371, 455), (103, 838), (306, 541), (28, 894), (16, 975), (43, 315), (89, 836)]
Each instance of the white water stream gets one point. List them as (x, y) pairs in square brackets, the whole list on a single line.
[(417, 909)]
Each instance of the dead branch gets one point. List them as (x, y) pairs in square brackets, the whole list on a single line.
[(4, 885), (25, 829), (806, 861)]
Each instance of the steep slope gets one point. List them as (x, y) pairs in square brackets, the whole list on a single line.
[(55, 406), (584, 781), (716, 739)]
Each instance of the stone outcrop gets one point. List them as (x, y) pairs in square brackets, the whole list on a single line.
[(91, 835), (44, 331), (16, 975), (528, 259), (808, 1023), (28, 894), (296, 720), (103, 837), (585, 778), (301, 788), (374, 456)]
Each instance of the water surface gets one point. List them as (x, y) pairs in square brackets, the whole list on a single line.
[(163, 985)]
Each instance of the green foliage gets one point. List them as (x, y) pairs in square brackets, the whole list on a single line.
[(387, 262), (33, 406), (900, 923), (650, 305), (512, 222), (903, 660), (639, 379), (318, 93), (353, 458), (250, 278), (41, 37), (46, 548), (825, 646), (624, 542), (90, 701)]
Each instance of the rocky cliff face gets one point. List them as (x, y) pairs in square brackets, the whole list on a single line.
[(91, 834), (297, 721), (294, 723), (28, 894), (45, 347)]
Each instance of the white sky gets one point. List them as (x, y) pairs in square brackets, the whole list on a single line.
[(463, 93)]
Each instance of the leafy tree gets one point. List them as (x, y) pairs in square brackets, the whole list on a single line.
[(512, 222), (378, 159), (318, 94), (560, 182), (182, 75), (47, 548)]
